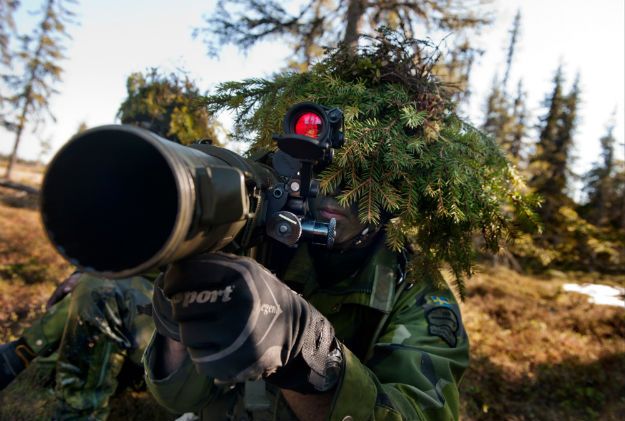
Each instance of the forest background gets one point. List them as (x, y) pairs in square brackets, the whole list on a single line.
[(539, 352)]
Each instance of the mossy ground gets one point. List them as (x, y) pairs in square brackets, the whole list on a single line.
[(538, 353)]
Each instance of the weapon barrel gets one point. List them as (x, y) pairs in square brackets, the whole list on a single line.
[(118, 201)]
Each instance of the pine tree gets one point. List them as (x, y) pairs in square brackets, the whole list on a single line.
[(7, 30), (619, 188), (515, 130), (569, 241), (39, 59), (549, 165), (565, 139), (505, 118), (604, 185), (167, 105), (514, 37), (321, 23), (619, 208), (497, 118), (506, 122), (7, 27), (518, 131)]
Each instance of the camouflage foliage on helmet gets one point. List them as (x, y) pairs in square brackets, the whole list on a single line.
[(409, 161), (165, 104)]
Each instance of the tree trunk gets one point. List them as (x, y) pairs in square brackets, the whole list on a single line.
[(18, 137), (13, 157), (18, 133), (28, 91), (355, 12)]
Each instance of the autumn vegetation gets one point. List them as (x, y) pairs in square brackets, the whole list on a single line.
[(537, 352)]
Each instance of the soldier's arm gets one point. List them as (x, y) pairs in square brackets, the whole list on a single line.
[(309, 407), (416, 365), (170, 359), (172, 379)]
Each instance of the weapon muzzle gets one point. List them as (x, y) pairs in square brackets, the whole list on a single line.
[(118, 201)]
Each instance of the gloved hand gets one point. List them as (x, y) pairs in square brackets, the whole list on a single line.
[(104, 309), (162, 312), (239, 322)]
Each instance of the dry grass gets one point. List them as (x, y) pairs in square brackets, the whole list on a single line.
[(25, 253), (29, 267), (540, 353)]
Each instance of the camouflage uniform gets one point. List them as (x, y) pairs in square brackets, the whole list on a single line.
[(409, 370), (95, 328)]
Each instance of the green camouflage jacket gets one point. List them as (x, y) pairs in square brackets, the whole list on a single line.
[(404, 344), (94, 330)]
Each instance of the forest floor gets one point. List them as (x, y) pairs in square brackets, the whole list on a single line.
[(538, 352)]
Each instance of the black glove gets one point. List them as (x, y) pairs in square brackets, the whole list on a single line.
[(239, 322), (162, 312)]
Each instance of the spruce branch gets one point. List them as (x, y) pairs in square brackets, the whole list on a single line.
[(408, 161)]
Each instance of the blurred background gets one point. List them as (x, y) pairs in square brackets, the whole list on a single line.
[(546, 316)]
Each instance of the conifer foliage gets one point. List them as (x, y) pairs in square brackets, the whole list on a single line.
[(518, 131), (408, 162), (605, 185), (505, 117), (38, 66), (569, 241), (167, 105), (312, 25), (7, 27), (549, 164)]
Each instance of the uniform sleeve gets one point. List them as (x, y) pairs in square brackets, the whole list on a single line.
[(183, 390), (416, 365)]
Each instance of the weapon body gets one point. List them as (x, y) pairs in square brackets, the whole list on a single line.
[(118, 200)]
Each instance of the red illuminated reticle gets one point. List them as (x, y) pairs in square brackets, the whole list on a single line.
[(308, 124)]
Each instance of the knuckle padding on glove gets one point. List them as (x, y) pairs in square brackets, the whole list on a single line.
[(317, 342)]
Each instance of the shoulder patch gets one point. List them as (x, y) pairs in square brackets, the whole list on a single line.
[(439, 300), (443, 322)]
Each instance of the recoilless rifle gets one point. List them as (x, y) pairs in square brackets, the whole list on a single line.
[(118, 201)]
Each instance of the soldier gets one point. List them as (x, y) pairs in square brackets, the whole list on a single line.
[(95, 326), (347, 333), (360, 342)]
